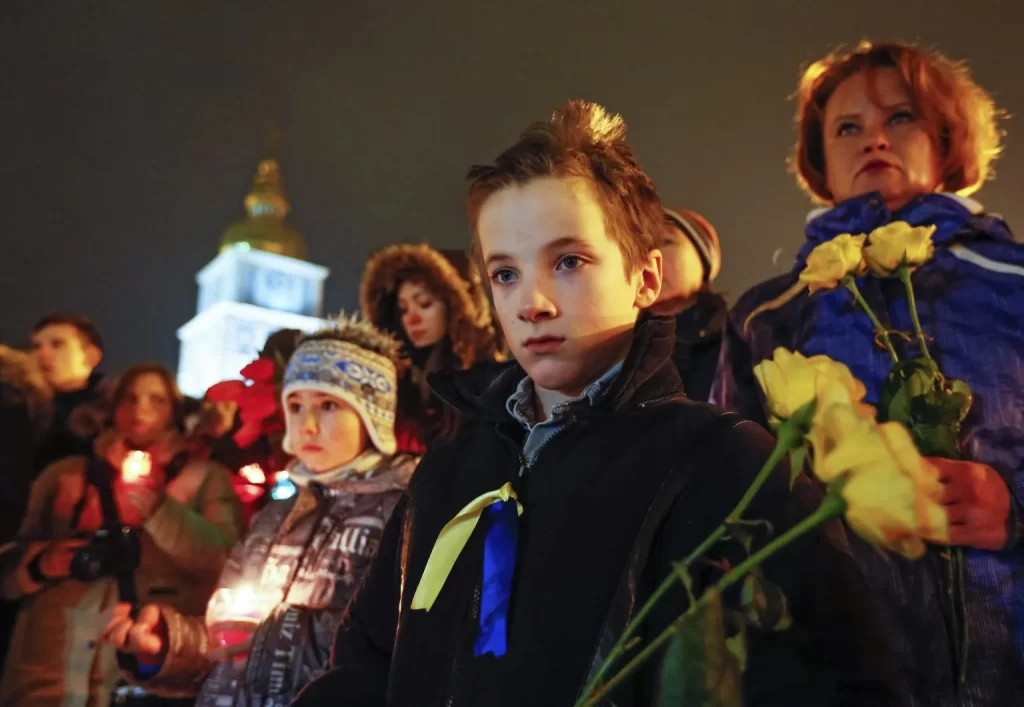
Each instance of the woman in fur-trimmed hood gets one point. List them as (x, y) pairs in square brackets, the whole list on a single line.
[(440, 313)]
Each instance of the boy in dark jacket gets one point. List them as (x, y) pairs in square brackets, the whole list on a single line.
[(304, 556), (578, 474)]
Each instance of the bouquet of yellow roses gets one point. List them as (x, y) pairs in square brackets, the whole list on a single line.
[(870, 461), (916, 392)]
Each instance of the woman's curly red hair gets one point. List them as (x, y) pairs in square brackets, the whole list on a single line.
[(960, 116)]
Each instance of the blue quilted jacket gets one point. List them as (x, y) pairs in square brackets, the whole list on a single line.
[(957, 617)]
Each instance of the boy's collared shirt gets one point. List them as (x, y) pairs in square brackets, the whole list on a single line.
[(520, 406)]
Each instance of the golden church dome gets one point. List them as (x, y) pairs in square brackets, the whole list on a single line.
[(265, 228)]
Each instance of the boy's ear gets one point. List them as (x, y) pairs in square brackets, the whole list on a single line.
[(650, 280)]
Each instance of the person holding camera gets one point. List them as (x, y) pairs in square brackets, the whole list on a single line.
[(143, 519)]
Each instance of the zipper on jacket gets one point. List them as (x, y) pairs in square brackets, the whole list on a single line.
[(474, 615), (524, 467)]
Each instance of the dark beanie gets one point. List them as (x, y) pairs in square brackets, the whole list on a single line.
[(703, 236)]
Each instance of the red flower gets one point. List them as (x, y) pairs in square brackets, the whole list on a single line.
[(225, 391), (262, 369), (257, 399)]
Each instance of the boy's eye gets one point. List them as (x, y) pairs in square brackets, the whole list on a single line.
[(328, 405), (570, 262), (503, 276), (294, 408), (847, 129)]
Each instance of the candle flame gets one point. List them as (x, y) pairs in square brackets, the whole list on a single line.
[(253, 473), (136, 465)]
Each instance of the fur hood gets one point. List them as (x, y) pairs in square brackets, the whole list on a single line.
[(470, 327), (19, 371)]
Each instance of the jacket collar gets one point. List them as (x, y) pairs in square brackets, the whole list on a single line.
[(953, 217), (647, 373)]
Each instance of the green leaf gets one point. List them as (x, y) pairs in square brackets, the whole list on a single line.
[(736, 637), (905, 368), (920, 383), (797, 457), (684, 576), (936, 408), (898, 409), (891, 387), (937, 440), (764, 604), (742, 531), (962, 388), (699, 669)]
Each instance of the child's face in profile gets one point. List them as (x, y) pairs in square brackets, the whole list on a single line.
[(877, 142), (325, 431), (561, 291)]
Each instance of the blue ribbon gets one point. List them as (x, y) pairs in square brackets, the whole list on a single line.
[(499, 566)]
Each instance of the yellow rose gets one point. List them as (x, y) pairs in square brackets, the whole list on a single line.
[(833, 260), (890, 244), (790, 380), (891, 492)]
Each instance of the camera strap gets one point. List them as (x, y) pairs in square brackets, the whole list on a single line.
[(101, 475)]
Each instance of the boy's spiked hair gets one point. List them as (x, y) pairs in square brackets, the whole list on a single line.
[(355, 330), (581, 140)]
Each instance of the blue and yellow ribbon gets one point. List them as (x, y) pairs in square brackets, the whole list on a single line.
[(451, 541)]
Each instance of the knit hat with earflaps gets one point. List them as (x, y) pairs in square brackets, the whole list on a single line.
[(470, 327), (703, 236), (356, 363)]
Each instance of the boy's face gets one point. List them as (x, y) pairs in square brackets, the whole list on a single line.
[(64, 356), (560, 287), (325, 431)]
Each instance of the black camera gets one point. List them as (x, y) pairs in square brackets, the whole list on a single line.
[(109, 552)]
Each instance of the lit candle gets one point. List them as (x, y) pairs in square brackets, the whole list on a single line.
[(234, 613), (136, 466), (253, 473)]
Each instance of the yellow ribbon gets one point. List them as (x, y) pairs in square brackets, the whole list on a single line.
[(792, 293), (452, 540)]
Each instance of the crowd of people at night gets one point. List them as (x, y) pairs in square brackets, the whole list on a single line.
[(570, 396)]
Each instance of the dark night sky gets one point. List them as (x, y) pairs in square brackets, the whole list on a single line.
[(131, 130)]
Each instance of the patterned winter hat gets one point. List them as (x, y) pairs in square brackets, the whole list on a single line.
[(354, 362)]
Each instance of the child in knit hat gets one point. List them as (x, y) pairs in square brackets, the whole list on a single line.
[(284, 587)]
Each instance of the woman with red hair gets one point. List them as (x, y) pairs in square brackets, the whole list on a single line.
[(887, 133)]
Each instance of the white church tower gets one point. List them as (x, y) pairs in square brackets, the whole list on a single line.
[(259, 282)]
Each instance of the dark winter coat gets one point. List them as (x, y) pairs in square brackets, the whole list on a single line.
[(628, 487), (699, 330)]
